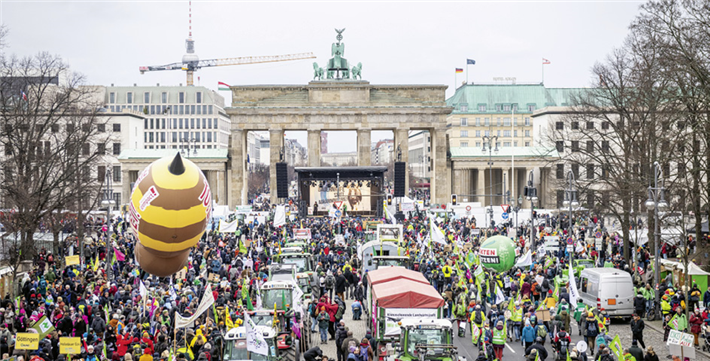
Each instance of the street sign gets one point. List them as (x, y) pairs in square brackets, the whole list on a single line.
[(338, 213), (505, 207), (570, 240), (468, 208), (504, 215), (598, 234), (338, 204)]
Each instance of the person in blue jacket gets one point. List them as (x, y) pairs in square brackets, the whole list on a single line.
[(528, 336)]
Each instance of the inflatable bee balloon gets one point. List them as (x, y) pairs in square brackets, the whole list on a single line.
[(170, 207)]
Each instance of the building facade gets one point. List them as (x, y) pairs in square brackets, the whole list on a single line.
[(420, 154), (176, 117)]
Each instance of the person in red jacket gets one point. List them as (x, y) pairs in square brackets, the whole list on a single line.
[(122, 342)]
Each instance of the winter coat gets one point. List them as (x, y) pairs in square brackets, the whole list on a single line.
[(695, 323), (528, 334)]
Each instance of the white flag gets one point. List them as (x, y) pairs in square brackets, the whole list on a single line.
[(436, 234), (143, 291), (525, 260), (499, 296), (296, 299), (573, 292), (255, 340), (280, 216)]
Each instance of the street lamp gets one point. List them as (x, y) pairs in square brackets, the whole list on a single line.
[(530, 193), (108, 202), (490, 141), (571, 202), (516, 207), (656, 201)]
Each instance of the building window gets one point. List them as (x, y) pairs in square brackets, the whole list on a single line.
[(101, 128), (575, 125), (560, 146), (575, 146), (198, 97), (590, 198), (506, 122), (215, 124), (464, 122), (464, 133), (464, 107), (487, 133), (486, 121), (560, 198), (101, 173), (164, 97), (146, 97), (129, 98), (116, 173), (506, 144), (478, 144), (86, 149), (101, 149), (590, 125), (527, 144), (482, 108), (559, 126), (478, 133), (527, 120), (478, 122), (498, 107), (515, 133), (498, 132), (605, 146), (527, 133), (116, 148), (681, 169), (590, 171), (531, 108), (560, 172), (506, 108), (605, 125), (464, 144), (112, 98), (116, 127), (575, 170), (506, 133), (590, 146)]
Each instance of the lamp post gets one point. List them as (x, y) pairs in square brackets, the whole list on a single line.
[(108, 202), (490, 141), (656, 201), (516, 207), (530, 193), (571, 202)]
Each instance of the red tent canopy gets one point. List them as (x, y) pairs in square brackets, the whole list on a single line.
[(406, 294), (387, 274)]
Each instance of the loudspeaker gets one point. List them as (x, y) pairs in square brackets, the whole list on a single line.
[(400, 172), (281, 180)]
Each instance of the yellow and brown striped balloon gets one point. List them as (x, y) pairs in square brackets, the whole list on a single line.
[(170, 207)]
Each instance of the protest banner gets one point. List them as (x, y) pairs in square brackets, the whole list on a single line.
[(27, 341), (72, 260), (69, 345)]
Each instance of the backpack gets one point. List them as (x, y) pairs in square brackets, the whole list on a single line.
[(591, 326), (363, 353), (478, 317), (312, 310), (564, 342), (329, 281), (541, 331)]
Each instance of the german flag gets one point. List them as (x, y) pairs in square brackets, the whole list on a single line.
[(459, 70)]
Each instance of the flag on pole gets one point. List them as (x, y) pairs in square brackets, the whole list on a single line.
[(573, 292), (436, 234), (470, 62), (545, 61), (223, 86), (119, 255), (255, 339), (499, 296), (615, 346), (459, 70)]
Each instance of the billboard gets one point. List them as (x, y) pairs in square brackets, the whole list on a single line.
[(355, 197)]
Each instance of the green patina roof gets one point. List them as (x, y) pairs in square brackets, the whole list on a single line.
[(523, 95), (160, 153), (505, 152)]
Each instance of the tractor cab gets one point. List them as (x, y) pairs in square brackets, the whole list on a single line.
[(426, 339)]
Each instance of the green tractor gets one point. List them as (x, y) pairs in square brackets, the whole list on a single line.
[(278, 295), (426, 339), (235, 346)]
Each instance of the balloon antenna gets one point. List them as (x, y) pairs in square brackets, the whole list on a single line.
[(177, 167)]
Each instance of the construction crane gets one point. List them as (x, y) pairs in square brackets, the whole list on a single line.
[(191, 62)]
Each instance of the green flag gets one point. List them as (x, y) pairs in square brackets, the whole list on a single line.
[(43, 327), (615, 346)]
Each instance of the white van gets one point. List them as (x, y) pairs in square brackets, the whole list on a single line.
[(608, 288)]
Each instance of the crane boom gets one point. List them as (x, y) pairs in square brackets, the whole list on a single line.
[(191, 66)]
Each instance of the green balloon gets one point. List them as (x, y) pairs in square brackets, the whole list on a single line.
[(498, 253)]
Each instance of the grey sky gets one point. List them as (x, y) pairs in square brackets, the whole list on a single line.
[(397, 43)]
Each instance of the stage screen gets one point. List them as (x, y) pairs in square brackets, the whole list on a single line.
[(356, 197)]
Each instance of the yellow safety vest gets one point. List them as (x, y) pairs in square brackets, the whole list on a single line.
[(447, 271)]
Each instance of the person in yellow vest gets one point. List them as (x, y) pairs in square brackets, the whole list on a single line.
[(478, 319), (665, 305), (550, 301), (499, 339), (447, 271), (516, 317)]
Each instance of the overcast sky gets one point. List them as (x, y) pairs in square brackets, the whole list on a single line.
[(397, 42)]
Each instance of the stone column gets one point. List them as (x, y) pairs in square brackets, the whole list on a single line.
[(238, 181), (440, 183), (401, 139), (125, 185), (221, 187), (364, 146), (458, 183), (314, 148), (465, 190), (276, 138), (526, 202), (481, 185)]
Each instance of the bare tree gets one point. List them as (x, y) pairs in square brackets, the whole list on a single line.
[(52, 137)]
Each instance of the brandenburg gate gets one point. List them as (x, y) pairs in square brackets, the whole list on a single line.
[(337, 99)]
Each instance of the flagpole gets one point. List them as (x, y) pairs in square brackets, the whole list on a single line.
[(466, 71), (456, 79), (543, 73)]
